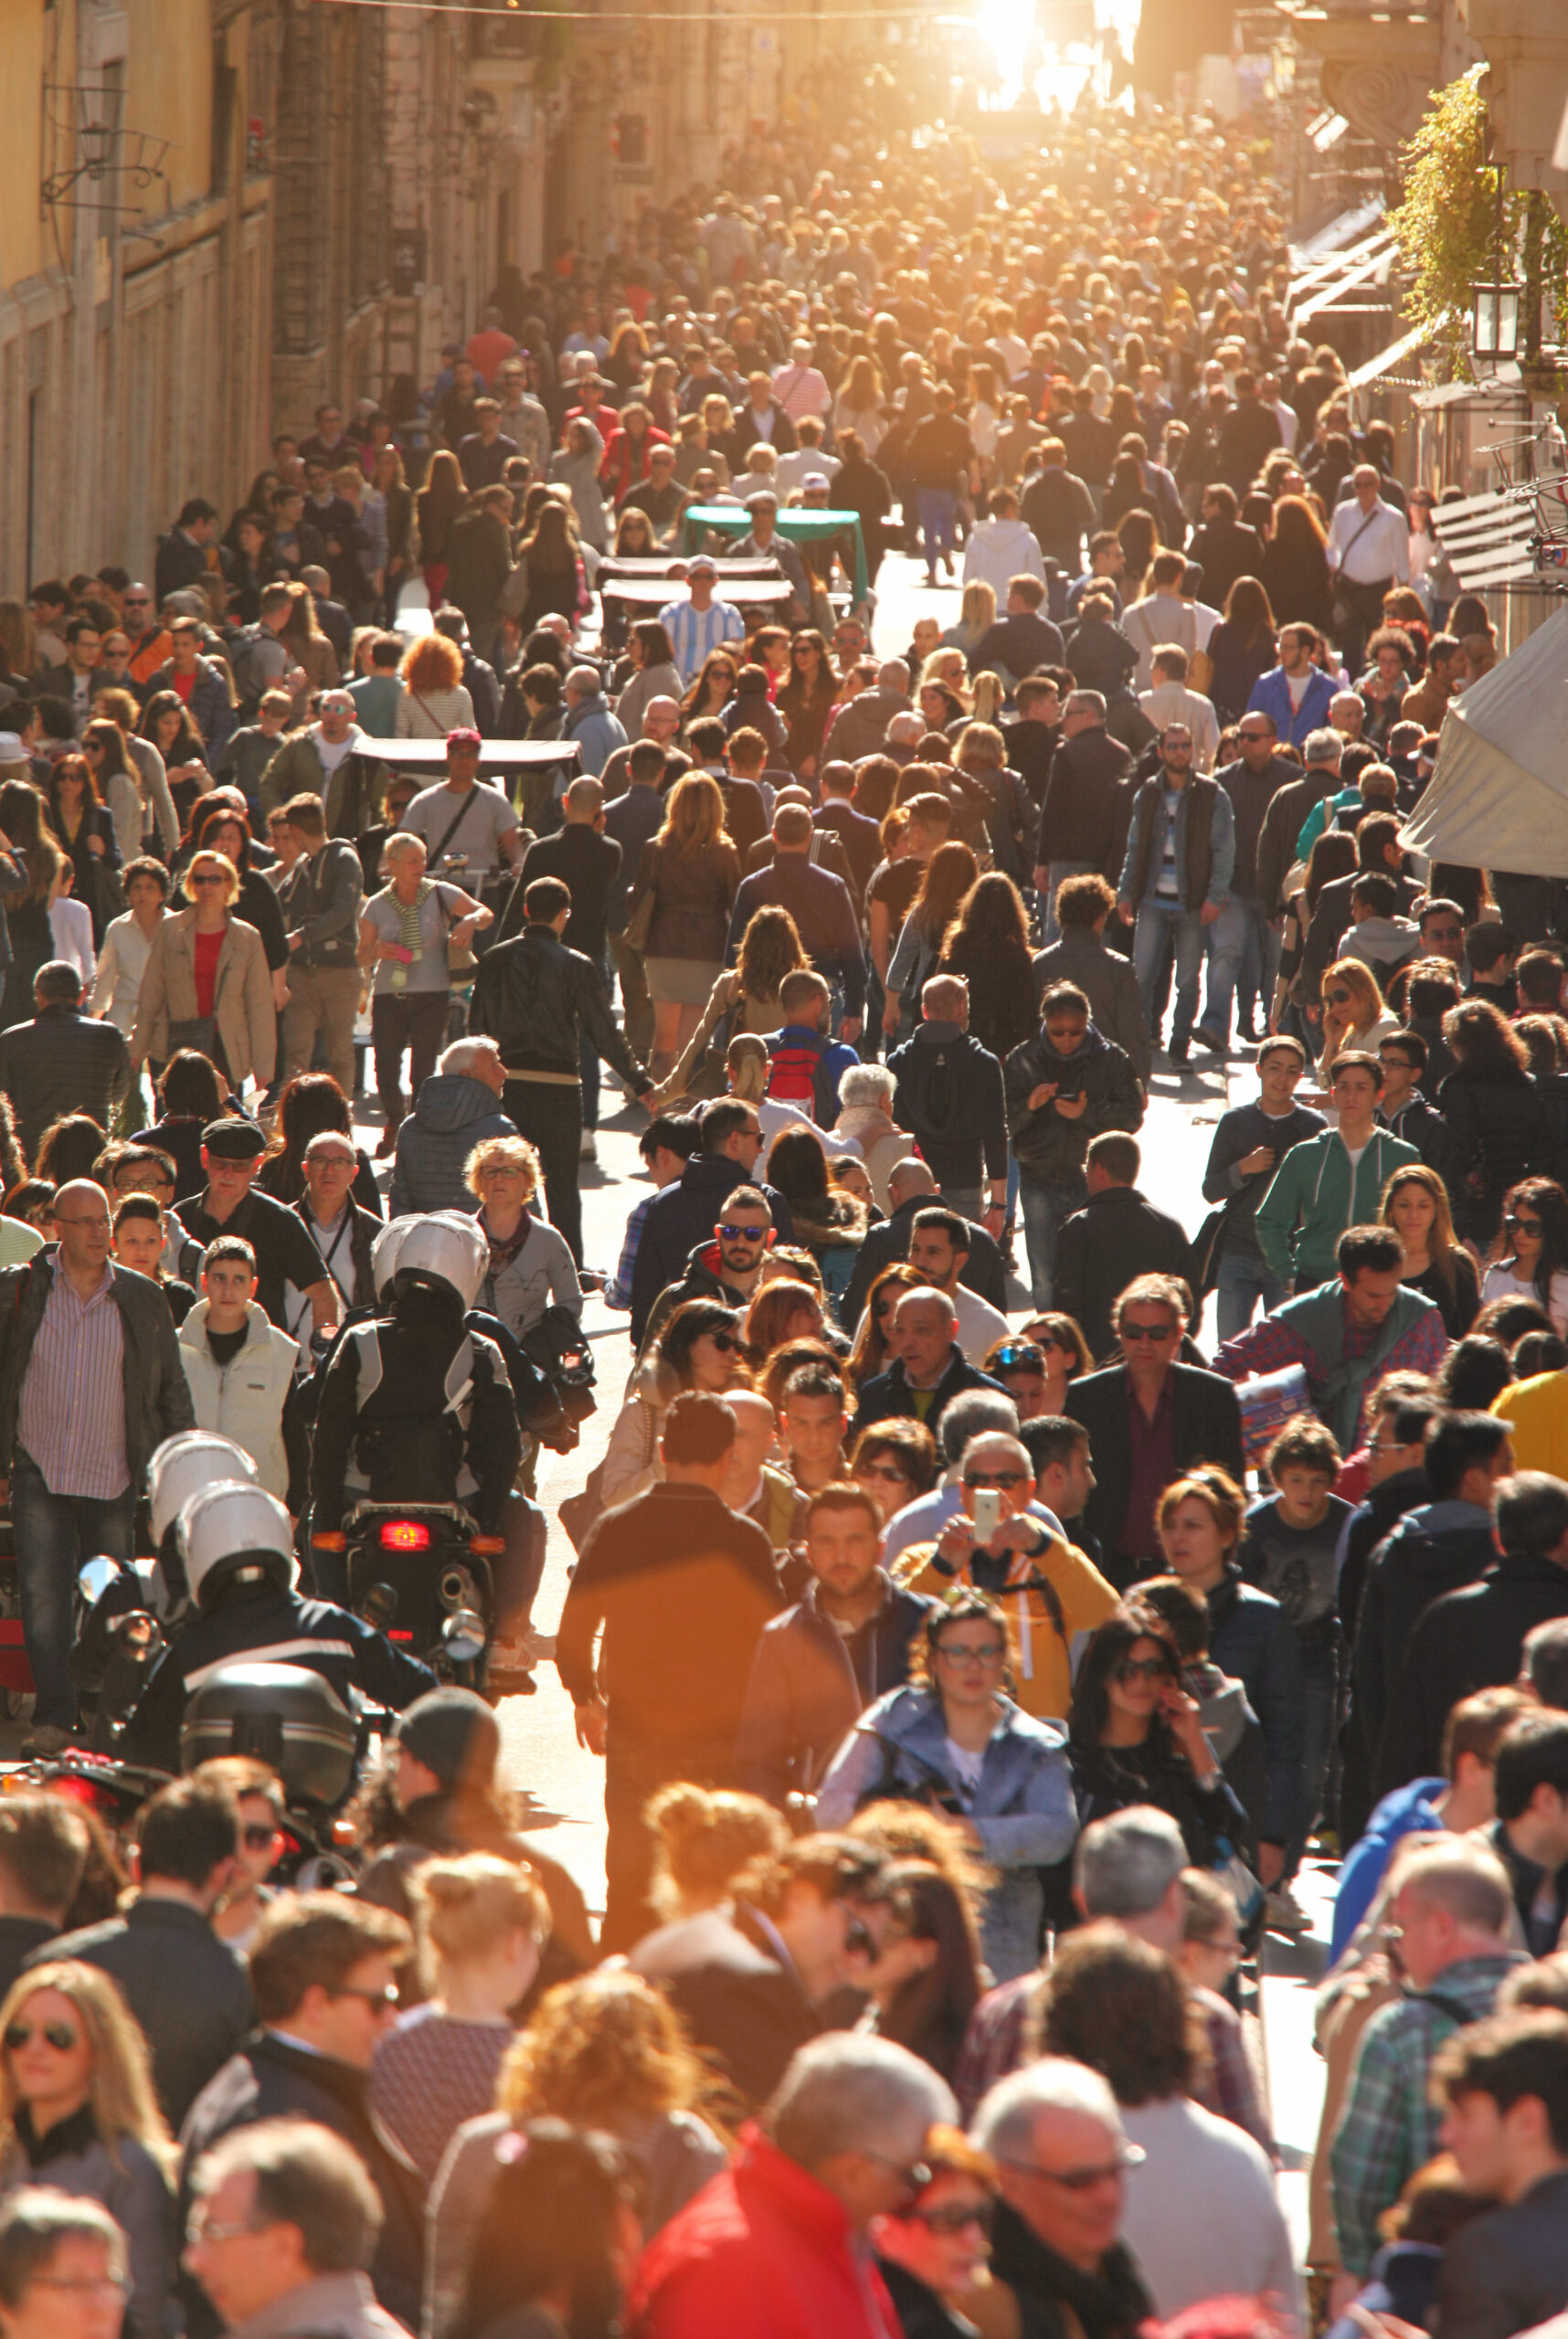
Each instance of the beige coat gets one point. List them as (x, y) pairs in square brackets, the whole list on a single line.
[(243, 998)]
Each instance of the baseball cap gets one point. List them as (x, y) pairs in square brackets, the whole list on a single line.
[(702, 563), (465, 735)]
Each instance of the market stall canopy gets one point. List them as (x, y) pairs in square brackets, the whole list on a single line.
[(1498, 797)]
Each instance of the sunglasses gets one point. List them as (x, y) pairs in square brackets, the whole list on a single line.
[(858, 1942), (259, 1840), (954, 2219), (743, 1234), (723, 1341), (887, 1471), (997, 1478), (1530, 1226), (1338, 997), (1151, 1333), (1020, 1356), (381, 2002), (58, 2035), (214, 880), (1144, 1669)]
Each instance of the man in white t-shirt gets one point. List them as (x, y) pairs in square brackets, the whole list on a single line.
[(468, 829), (939, 1249)]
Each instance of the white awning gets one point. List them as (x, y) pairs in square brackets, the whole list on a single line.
[(1394, 354), (1498, 797)]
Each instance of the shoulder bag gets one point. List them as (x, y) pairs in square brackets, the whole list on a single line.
[(640, 925)]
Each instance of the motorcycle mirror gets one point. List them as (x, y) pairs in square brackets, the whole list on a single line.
[(96, 1577), (462, 1636)]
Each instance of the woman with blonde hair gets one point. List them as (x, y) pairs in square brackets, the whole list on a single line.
[(976, 615), (603, 2052), (206, 984), (313, 652), (434, 700), (78, 2114), (744, 999), (1436, 1264), (482, 1922), (693, 872), (531, 1268), (1353, 1014)]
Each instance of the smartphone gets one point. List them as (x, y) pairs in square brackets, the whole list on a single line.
[(988, 1512)]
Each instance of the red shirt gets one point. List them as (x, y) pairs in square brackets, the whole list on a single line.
[(1153, 1469), (183, 685), (206, 948)]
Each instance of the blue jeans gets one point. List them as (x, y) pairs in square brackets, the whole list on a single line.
[(1244, 955), (1242, 1282), (1162, 927), (937, 505), (56, 1535), (1055, 872), (1044, 1207)]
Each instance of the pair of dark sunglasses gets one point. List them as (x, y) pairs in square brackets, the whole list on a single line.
[(58, 2035)]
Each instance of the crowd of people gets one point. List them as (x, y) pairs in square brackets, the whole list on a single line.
[(973, 1678)]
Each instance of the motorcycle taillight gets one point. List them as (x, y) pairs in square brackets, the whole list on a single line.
[(85, 1791), (405, 1535)]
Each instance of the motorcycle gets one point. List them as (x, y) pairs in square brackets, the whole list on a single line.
[(421, 1573)]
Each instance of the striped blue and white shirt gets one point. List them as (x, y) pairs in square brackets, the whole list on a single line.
[(694, 634)]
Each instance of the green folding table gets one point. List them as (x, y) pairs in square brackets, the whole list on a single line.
[(796, 524)]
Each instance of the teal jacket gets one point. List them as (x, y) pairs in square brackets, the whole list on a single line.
[(1315, 1196)]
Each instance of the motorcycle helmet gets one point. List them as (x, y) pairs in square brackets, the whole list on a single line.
[(183, 1464), (443, 1251), (234, 1532), (383, 1253)]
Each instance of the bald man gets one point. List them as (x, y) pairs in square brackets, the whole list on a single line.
[(928, 1368), (756, 1487)]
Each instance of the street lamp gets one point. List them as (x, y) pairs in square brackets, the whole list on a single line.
[(1494, 323)]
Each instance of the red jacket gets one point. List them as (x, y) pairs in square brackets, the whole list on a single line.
[(762, 2252), (616, 471)]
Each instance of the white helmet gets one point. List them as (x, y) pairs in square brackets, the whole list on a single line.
[(445, 1246), (383, 1253), (183, 1464), (235, 1522)]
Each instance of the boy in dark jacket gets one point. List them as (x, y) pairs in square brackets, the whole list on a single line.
[(949, 1097), (1250, 1142), (1062, 1089)]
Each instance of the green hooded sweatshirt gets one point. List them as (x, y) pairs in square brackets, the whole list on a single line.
[(1316, 1195)]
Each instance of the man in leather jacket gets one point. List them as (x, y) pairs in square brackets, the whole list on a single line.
[(541, 1003)]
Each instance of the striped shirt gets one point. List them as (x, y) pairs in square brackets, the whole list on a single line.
[(71, 1419), (694, 634)]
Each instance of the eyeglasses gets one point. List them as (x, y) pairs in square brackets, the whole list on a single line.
[(914, 2176), (1020, 1356), (1143, 1669), (119, 2284), (212, 878), (1530, 1226), (58, 2035), (380, 2001), (744, 1233), (259, 1840), (1151, 1333), (997, 1478), (202, 2229), (887, 1472), (954, 2219), (1084, 2180), (994, 1656)]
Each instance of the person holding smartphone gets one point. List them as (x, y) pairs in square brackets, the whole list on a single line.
[(1006, 1544)]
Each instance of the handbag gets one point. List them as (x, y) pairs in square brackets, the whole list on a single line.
[(1208, 1248), (640, 925), (580, 1513), (1200, 672)]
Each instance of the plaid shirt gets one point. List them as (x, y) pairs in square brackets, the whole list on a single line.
[(618, 1295), (1269, 1345), (1389, 2127), (995, 2044)]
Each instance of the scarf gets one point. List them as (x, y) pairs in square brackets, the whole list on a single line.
[(408, 935), (502, 1253), (1109, 2304)]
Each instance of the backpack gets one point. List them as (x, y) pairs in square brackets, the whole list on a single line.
[(247, 667), (799, 1074)]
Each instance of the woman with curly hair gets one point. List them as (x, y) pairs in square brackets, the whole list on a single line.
[(1529, 1258), (744, 999), (434, 699), (806, 700), (77, 2113), (1202, 2218), (954, 1739)]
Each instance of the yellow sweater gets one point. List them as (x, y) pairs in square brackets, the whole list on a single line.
[(1039, 1651), (1537, 1412)]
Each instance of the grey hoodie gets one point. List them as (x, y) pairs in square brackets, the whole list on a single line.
[(451, 1113)]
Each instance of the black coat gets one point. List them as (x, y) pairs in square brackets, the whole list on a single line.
[(269, 2080), (1088, 803), (1208, 1429), (682, 1217), (537, 1000), (1502, 1131), (1116, 1237), (982, 1271), (886, 1396), (589, 865), (740, 2005), (1508, 2270), (1058, 2300), (187, 1990), (1468, 1640), (1434, 1549)]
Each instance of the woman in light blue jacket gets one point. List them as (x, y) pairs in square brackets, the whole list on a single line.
[(953, 1741)]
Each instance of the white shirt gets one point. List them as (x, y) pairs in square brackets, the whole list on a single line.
[(1502, 1283), (694, 634), (999, 550), (1381, 542), (70, 923), (979, 1324), (1174, 703), (793, 471)]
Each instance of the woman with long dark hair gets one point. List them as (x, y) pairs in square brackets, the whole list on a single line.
[(951, 873), (927, 1982), (1294, 570), (987, 942), (700, 1347), (744, 999), (1242, 647), (1333, 855), (28, 915), (552, 562), (654, 674), (1529, 1257), (556, 2249), (829, 1222), (441, 500), (309, 1106), (806, 700), (1436, 1264), (873, 1349), (713, 687), (1499, 1121), (167, 722), (84, 830)]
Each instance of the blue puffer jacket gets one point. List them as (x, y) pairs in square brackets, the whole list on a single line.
[(1022, 1809), (451, 1113), (1253, 1640)]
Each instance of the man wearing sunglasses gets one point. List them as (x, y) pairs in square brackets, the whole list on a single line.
[(682, 1217), (1063, 2158), (1048, 1592)]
